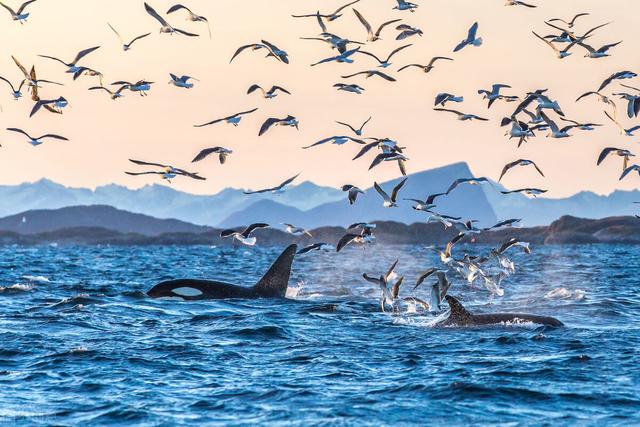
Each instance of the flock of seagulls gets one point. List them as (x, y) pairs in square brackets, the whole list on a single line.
[(535, 111)]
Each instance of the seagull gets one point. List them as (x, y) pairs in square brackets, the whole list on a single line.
[(571, 22), (443, 98), (18, 15), (534, 192), (329, 16), (430, 66), (504, 224), (371, 73), (86, 71), (353, 192), (30, 77), (625, 154), (276, 52), (182, 81), (520, 162), (253, 47), (383, 282), (628, 170), (519, 3), (599, 53), (166, 28), (470, 181), (275, 190), (190, 15), (623, 131), (471, 39), (390, 202), (37, 141), (371, 36), (353, 88), (581, 126), (141, 86), (72, 66), (365, 237), (462, 116), (518, 130), (603, 98), (244, 236), (408, 31), (426, 205), (274, 121), (222, 153), (493, 94), (556, 132), (16, 93), (405, 5), (385, 63), (338, 140), (315, 247), (270, 94), (168, 172), (342, 58), (620, 75), (234, 119), (336, 42), (388, 146), (56, 104), (561, 54), (296, 231), (633, 102), (358, 131), (390, 157), (127, 46)]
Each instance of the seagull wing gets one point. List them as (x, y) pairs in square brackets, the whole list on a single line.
[(381, 27), (205, 153), (143, 163), (24, 5), (240, 49), (151, 11), (19, 131), (250, 229), (365, 149), (177, 7), (604, 153), (381, 192), (138, 38), (397, 50), (345, 240), (53, 136), (288, 181), (396, 190), (84, 53), (267, 124), (364, 22)]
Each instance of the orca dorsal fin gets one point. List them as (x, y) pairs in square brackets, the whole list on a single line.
[(459, 315), (275, 281)]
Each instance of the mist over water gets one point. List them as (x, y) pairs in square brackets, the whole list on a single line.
[(81, 343)]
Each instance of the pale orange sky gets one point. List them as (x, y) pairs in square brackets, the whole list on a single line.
[(104, 134)]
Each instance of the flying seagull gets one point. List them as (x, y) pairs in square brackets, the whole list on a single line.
[(141, 86), (20, 14), (72, 66), (556, 132), (462, 116), (353, 192), (16, 93), (534, 192), (443, 98), (405, 5), (571, 22), (628, 170), (520, 162), (370, 73), (390, 201), (296, 231), (470, 181), (471, 39), (337, 140), (55, 105), (190, 15), (625, 154), (358, 131), (127, 46), (182, 81), (344, 57), (426, 205), (244, 236), (270, 94), (234, 119), (519, 3), (620, 75), (385, 63), (315, 247), (274, 121), (430, 66), (166, 28), (37, 141), (220, 151), (167, 172), (407, 31), (560, 54), (353, 88), (371, 36), (598, 53), (623, 131), (493, 94), (328, 16), (275, 190)]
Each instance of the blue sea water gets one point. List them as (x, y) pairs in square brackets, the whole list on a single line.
[(80, 344)]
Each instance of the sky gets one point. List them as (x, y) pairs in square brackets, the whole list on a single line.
[(104, 134)]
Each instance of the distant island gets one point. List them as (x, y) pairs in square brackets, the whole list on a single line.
[(105, 225)]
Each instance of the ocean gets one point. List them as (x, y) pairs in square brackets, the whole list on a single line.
[(81, 344)]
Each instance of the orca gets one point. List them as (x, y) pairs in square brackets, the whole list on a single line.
[(461, 317), (273, 284)]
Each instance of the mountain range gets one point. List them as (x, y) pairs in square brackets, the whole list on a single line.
[(310, 205)]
